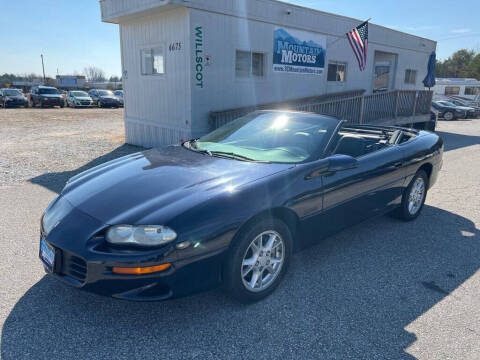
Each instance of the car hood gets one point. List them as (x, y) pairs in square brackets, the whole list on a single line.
[(51, 95), (16, 97), (131, 188), (82, 98), (109, 97)]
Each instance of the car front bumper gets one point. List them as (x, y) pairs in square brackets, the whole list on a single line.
[(83, 104), (85, 261), (16, 103), (184, 277), (52, 101)]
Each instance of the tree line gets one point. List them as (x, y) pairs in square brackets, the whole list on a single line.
[(462, 64)]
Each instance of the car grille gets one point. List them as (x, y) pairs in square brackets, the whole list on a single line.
[(74, 267), (85, 102)]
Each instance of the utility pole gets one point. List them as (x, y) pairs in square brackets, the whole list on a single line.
[(43, 68)]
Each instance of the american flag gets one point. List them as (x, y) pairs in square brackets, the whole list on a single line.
[(358, 39)]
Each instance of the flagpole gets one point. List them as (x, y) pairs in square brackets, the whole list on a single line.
[(343, 37)]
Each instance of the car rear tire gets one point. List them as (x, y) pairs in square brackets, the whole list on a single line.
[(414, 197), (258, 260), (449, 116)]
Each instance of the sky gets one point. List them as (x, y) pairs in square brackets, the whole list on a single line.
[(71, 36)]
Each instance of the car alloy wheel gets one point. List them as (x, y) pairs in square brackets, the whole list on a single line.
[(257, 259), (413, 197), (263, 261), (416, 196), (448, 116)]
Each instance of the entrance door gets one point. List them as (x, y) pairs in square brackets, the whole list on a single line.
[(384, 70), (381, 81)]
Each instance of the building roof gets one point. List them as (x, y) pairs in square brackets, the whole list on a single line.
[(457, 81), (116, 11)]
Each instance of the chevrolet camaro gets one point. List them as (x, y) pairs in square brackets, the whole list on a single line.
[(232, 206)]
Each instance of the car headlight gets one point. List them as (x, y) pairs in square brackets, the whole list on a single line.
[(140, 235)]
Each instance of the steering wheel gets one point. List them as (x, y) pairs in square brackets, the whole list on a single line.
[(295, 151)]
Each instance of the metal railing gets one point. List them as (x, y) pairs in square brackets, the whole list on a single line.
[(219, 118), (356, 109)]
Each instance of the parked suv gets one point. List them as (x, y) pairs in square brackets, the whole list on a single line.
[(77, 98), (104, 98), (12, 98), (46, 96)]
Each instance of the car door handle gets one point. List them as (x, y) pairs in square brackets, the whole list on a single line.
[(398, 164)]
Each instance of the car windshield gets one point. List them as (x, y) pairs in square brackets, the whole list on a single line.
[(447, 103), (47, 91), (119, 93), (104, 92), (11, 92), (79, 93), (283, 137)]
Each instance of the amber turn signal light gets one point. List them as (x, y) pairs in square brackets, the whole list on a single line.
[(141, 270)]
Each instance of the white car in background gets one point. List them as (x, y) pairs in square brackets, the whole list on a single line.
[(78, 98)]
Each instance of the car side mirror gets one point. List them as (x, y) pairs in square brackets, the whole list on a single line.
[(339, 162)]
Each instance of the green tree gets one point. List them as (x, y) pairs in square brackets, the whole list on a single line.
[(474, 67), (457, 65)]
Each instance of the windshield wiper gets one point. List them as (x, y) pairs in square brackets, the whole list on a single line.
[(236, 156), (192, 146)]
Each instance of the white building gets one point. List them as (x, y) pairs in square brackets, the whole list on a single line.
[(463, 87), (183, 59), (71, 81)]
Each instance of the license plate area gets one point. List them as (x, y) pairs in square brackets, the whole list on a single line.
[(47, 255)]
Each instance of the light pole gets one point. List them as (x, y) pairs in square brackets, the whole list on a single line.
[(43, 68)]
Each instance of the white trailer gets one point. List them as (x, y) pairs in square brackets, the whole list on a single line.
[(461, 87), (184, 59)]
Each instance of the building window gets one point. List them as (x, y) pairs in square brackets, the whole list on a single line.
[(452, 90), (248, 63), (410, 76), (152, 61), (472, 90), (336, 71)]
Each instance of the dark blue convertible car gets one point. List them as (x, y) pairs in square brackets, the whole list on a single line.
[(231, 207)]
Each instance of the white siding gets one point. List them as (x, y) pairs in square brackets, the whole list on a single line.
[(157, 107), (114, 10), (224, 33), (164, 109)]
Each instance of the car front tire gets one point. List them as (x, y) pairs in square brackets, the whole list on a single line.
[(449, 116), (414, 197), (258, 260)]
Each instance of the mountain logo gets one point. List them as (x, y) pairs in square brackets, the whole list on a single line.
[(298, 51)]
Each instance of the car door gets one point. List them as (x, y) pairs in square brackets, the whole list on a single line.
[(371, 188)]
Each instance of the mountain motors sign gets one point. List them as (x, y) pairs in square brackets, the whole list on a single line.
[(300, 52)]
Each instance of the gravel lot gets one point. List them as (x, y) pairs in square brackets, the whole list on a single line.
[(383, 289), (53, 144)]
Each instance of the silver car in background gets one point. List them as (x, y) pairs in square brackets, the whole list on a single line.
[(119, 95)]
